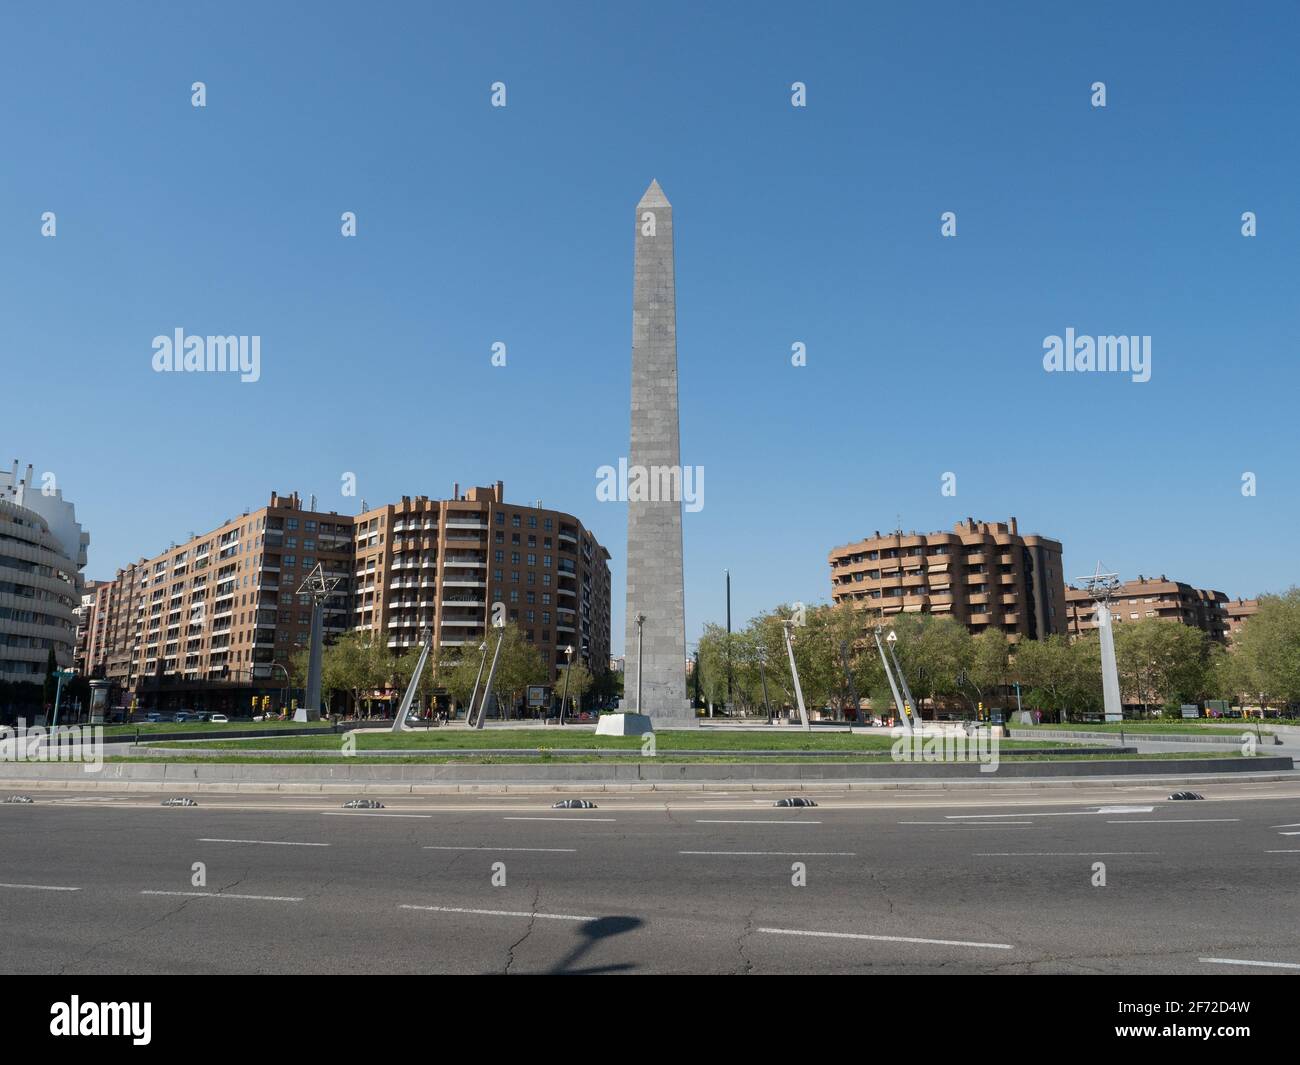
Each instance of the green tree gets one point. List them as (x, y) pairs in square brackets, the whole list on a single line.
[(1269, 649), (1160, 661), (577, 681), (51, 681)]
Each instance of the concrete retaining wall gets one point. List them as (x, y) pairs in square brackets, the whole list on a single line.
[(313, 776)]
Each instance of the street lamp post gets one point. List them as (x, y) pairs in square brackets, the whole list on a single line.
[(568, 650), (762, 676), (640, 631), (730, 708)]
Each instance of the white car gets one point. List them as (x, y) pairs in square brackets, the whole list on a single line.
[(219, 719)]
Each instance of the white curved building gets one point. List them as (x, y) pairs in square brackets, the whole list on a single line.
[(42, 554)]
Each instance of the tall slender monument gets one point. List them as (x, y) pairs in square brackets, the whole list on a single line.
[(656, 652)]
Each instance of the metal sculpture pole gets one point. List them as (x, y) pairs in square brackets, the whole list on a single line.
[(787, 627), (1102, 586), (400, 724), (909, 704), (473, 696), (567, 670), (1109, 670), (893, 687), (320, 588), (492, 674), (762, 676)]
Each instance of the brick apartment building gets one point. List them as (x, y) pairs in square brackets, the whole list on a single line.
[(1149, 597), (218, 618), (222, 608), (1238, 611), (440, 564), (984, 574)]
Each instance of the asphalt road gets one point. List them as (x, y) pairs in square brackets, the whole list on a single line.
[(999, 882)]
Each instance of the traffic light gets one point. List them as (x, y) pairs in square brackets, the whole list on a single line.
[(266, 704), (254, 704), (981, 711)]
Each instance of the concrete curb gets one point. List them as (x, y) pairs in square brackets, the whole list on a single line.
[(399, 779)]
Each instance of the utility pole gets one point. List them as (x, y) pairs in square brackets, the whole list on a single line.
[(640, 630), (728, 575)]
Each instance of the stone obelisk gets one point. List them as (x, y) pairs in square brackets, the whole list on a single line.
[(654, 524)]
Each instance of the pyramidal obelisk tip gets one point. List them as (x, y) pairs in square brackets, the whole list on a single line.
[(654, 197)]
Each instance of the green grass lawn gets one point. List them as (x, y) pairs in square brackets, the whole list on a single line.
[(462, 739)]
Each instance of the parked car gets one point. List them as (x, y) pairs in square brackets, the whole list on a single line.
[(219, 719)]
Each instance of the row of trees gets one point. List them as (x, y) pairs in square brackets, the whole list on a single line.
[(358, 665), (1160, 663)]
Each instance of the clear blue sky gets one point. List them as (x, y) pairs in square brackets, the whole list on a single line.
[(818, 225)]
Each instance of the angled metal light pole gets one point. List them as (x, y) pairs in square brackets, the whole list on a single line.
[(893, 685), (787, 627), (399, 724), (568, 650), (473, 697), (492, 674), (902, 679)]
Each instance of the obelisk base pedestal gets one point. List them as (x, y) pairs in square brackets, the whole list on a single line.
[(624, 725)]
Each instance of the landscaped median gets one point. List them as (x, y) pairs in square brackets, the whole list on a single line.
[(464, 759)]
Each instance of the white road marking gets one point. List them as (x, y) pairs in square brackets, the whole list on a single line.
[(39, 887), (782, 854), (502, 913), (887, 939), (752, 821), (1289, 833), (1056, 813), (558, 819), (1177, 821), (224, 895), (366, 813), (1240, 961), (265, 842), (1057, 854), (531, 850), (1285, 826)]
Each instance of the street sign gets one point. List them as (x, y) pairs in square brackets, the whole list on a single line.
[(536, 695)]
